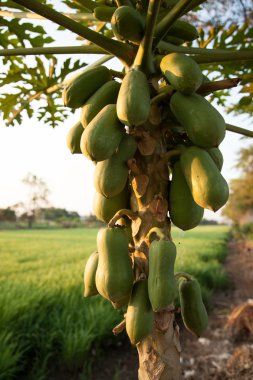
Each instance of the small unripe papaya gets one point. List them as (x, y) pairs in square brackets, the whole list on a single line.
[(74, 137), (133, 103), (139, 316), (182, 72), (104, 13), (90, 275), (114, 275), (127, 24), (111, 175), (204, 125), (105, 208), (80, 87), (102, 135), (216, 155), (208, 187), (193, 310), (162, 286), (185, 213), (107, 94)]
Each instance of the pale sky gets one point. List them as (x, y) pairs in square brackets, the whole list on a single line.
[(41, 150)]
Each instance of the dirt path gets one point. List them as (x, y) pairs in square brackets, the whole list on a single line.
[(226, 349)]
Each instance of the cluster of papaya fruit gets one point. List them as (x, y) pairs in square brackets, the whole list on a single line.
[(111, 113), (109, 272)]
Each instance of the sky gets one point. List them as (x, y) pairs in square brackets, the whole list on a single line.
[(37, 148)]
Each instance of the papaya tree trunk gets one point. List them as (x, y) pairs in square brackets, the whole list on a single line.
[(159, 353)]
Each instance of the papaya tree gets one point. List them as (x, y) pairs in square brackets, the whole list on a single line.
[(152, 134)]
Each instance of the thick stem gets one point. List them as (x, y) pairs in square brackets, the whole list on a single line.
[(207, 55), (240, 131), (165, 24), (159, 353), (86, 49), (124, 52), (143, 57)]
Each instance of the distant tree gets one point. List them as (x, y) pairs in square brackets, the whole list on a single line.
[(240, 201), (55, 214), (37, 197), (7, 215)]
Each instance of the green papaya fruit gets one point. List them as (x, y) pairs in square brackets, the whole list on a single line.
[(162, 286), (182, 72), (133, 103), (127, 24), (203, 123), (105, 208), (216, 155), (209, 189), (185, 213), (90, 275), (114, 276), (139, 316), (193, 310), (111, 175), (104, 13), (79, 88), (126, 224), (102, 135), (184, 30), (74, 137), (107, 94)]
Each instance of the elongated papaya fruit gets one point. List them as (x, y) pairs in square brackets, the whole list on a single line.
[(114, 276), (90, 275), (74, 137), (111, 175), (139, 316), (216, 155), (102, 135), (209, 189), (184, 30), (127, 24), (104, 13), (193, 310), (80, 87), (105, 208), (162, 286), (182, 72), (203, 123), (185, 213), (133, 103), (107, 94)]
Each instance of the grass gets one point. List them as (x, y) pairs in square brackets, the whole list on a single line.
[(45, 324)]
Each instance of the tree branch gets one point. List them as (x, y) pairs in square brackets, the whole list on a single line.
[(143, 57), (86, 49), (240, 131), (124, 52), (30, 15), (165, 24)]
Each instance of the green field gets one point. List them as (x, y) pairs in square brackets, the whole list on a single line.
[(46, 326)]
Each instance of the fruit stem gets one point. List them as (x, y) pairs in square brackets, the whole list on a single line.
[(241, 131), (155, 233), (124, 52), (119, 328), (143, 58), (184, 275), (164, 25), (172, 153), (121, 213)]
